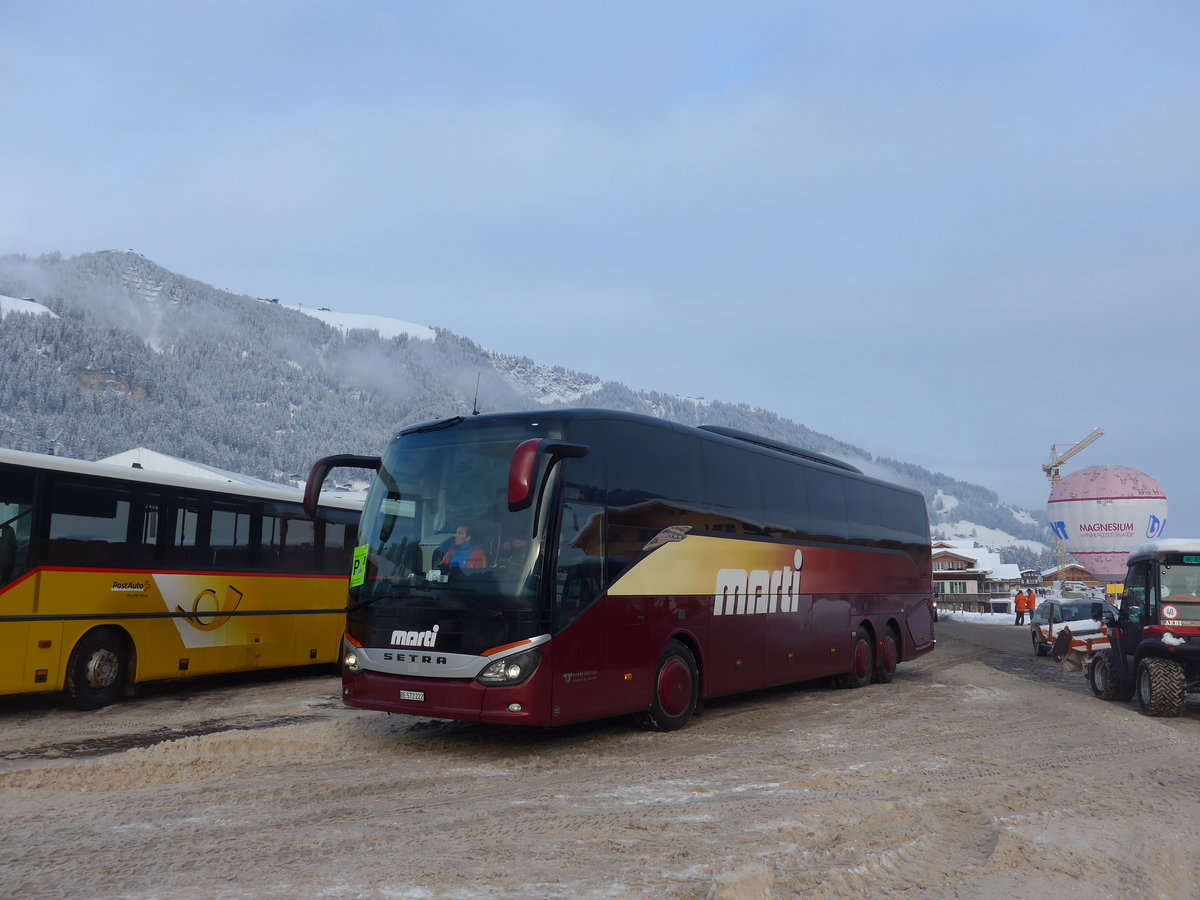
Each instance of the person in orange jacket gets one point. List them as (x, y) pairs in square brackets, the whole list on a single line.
[(1022, 603)]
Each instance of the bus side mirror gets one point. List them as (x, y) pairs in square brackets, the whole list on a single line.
[(523, 467), (320, 471)]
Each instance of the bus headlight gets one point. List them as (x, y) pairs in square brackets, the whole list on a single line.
[(510, 670), (351, 662)]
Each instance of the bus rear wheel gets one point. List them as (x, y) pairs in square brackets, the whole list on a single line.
[(888, 659), (862, 660), (676, 690), (98, 669)]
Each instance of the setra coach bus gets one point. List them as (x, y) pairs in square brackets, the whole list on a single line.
[(111, 576), (613, 563)]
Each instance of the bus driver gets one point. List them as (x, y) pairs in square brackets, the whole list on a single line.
[(465, 553)]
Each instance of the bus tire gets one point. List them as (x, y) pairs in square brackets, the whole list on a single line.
[(98, 669), (862, 658), (676, 690), (1103, 680), (887, 658), (1160, 687)]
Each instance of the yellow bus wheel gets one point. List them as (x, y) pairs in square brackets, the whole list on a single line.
[(98, 670)]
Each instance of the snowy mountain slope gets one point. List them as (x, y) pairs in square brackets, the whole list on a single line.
[(139, 355)]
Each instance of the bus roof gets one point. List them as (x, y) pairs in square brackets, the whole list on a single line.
[(227, 485), (1160, 548), (719, 433)]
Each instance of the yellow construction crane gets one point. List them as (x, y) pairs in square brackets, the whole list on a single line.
[(1057, 459), (1052, 470)]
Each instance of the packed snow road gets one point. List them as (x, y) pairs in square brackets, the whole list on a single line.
[(982, 771)]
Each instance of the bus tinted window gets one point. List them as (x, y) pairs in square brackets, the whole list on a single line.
[(584, 477), (187, 522), (785, 497), (229, 539), (732, 488), (16, 508), (288, 538), (340, 538), (906, 514), (655, 482), (862, 516), (827, 504), (84, 520), (655, 464)]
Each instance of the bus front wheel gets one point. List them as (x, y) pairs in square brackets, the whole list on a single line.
[(676, 690), (862, 660), (98, 669)]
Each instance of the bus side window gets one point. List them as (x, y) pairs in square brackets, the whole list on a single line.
[(827, 505), (785, 497), (733, 490), (654, 482), (85, 521), (579, 571), (16, 512)]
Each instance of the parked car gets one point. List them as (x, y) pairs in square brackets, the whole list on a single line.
[(1055, 611)]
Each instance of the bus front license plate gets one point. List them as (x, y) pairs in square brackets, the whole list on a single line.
[(412, 695)]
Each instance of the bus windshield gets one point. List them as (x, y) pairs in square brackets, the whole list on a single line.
[(442, 542)]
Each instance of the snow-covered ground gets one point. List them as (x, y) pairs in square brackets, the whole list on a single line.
[(959, 779), (976, 617)]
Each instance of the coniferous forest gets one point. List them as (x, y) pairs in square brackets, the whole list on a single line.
[(137, 356)]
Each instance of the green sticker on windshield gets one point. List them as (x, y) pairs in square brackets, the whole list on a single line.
[(358, 568), (1191, 560)]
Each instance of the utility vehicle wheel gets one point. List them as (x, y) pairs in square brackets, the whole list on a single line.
[(888, 659), (1040, 647), (98, 669), (676, 690), (862, 658), (1102, 676), (1160, 687)]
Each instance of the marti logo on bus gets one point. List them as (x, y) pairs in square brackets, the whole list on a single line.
[(759, 591), (415, 638)]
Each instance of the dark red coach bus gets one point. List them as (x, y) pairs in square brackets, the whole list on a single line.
[(608, 563)]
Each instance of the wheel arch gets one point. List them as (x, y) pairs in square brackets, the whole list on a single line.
[(130, 654), (690, 641)]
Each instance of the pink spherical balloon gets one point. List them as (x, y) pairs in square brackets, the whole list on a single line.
[(1102, 512)]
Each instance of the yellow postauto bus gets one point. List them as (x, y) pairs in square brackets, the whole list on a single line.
[(111, 576)]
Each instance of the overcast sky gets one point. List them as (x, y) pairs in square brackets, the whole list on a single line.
[(952, 233)]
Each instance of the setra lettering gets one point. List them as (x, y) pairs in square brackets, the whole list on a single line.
[(414, 657)]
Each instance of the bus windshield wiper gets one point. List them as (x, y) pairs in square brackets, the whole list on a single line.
[(433, 426)]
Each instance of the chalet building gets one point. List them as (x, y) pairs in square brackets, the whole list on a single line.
[(1070, 572), (970, 577)]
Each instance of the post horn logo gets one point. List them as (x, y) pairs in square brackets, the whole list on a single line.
[(208, 613)]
